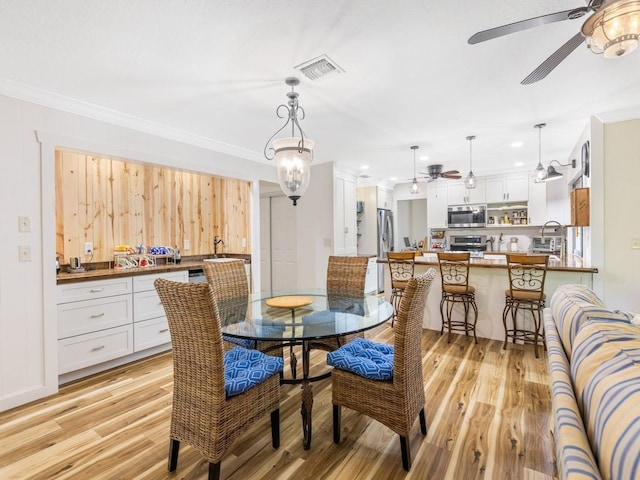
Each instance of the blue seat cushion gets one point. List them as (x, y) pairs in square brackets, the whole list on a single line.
[(243, 342), (365, 358), (244, 369)]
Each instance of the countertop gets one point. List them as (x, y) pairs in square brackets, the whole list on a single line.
[(571, 263), (101, 271)]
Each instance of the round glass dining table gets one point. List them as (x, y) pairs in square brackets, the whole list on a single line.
[(299, 317)]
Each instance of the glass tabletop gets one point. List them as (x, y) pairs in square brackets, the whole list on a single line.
[(300, 315)]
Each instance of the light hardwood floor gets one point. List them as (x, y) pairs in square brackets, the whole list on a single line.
[(487, 412)]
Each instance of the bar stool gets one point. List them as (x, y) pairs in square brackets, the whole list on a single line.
[(454, 272), (401, 268), (527, 274)]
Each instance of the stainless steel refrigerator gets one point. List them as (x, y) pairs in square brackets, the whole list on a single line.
[(385, 241)]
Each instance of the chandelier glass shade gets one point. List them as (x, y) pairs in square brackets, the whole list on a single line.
[(540, 173), (614, 29), (293, 163), (294, 154), (470, 180)]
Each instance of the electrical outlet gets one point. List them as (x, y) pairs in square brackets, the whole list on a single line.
[(88, 248), (244, 243), (635, 243), (24, 224), (187, 244), (24, 253)]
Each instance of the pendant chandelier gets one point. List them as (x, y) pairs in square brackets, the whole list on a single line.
[(540, 173), (470, 180), (293, 154), (415, 188)]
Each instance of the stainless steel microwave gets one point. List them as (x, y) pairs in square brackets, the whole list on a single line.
[(467, 216)]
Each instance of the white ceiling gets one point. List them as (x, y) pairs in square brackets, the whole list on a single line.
[(214, 71)]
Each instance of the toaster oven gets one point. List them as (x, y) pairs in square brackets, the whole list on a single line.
[(546, 244)]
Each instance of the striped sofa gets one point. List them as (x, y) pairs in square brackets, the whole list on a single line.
[(594, 366)]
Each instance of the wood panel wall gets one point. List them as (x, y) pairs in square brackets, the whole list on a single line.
[(112, 202)]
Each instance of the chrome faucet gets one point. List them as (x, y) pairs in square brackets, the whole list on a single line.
[(216, 241), (562, 236)]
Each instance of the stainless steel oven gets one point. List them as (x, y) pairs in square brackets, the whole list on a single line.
[(467, 216), (468, 243)]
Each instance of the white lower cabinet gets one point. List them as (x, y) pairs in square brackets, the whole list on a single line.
[(103, 320), (371, 280), (90, 349), (150, 322)]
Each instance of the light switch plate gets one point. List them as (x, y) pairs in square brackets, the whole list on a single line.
[(24, 253), (635, 243), (24, 224)]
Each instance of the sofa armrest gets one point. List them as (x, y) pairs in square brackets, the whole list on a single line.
[(574, 457)]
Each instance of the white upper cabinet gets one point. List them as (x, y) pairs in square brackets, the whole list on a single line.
[(507, 189), (385, 198), (436, 205), (458, 194)]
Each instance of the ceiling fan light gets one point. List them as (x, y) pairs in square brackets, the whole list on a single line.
[(293, 163), (614, 29)]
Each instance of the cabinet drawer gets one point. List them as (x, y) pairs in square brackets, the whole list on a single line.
[(85, 350), (143, 283), (77, 318), (150, 333), (147, 305), (73, 292)]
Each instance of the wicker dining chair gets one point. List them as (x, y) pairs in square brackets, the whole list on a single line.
[(205, 415), (228, 281), (345, 278), (398, 401)]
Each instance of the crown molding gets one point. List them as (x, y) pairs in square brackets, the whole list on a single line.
[(45, 98)]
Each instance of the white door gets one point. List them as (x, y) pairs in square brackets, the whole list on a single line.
[(265, 244), (283, 244)]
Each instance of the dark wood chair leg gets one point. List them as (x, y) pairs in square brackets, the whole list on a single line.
[(336, 423), (406, 453), (174, 448), (423, 422), (214, 471), (275, 428)]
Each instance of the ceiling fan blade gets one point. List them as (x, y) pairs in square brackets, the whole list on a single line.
[(554, 60), (448, 172), (496, 32), (451, 176)]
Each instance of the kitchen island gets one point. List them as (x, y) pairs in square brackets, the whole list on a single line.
[(490, 278)]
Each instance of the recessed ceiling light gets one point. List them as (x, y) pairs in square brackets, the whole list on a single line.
[(424, 157), (364, 167), (518, 164), (516, 144), (393, 179)]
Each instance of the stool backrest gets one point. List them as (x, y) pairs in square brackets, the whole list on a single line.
[(401, 265), (454, 268), (527, 273)]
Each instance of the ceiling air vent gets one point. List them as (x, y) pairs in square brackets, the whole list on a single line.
[(319, 67)]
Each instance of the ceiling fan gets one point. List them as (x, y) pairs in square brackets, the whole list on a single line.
[(435, 171), (601, 31)]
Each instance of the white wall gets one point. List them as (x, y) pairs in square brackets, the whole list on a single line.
[(28, 329), (621, 220)]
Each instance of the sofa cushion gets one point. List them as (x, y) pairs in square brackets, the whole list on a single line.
[(606, 373), (572, 305)]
